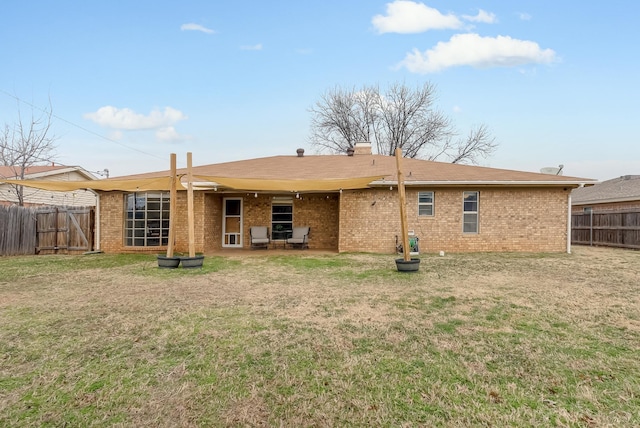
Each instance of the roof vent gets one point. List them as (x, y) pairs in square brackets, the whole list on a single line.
[(300, 152)]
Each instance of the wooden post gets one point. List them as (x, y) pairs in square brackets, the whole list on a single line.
[(172, 207), (190, 214), (403, 208)]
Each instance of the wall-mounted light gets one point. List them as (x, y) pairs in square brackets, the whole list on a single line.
[(255, 195)]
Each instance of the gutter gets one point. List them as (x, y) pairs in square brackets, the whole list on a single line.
[(484, 183), (606, 201)]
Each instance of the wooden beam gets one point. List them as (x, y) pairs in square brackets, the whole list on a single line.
[(190, 214), (172, 207), (403, 208)]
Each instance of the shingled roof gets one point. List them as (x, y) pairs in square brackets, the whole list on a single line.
[(416, 171), (621, 189), (12, 171)]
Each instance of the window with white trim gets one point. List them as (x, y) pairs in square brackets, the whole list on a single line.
[(425, 203), (146, 219), (470, 211), (281, 217)]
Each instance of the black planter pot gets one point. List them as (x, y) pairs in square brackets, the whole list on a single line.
[(168, 262), (192, 262), (407, 265)]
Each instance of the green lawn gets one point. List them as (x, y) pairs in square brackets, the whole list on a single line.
[(322, 340)]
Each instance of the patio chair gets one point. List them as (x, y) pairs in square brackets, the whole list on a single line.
[(300, 237), (259, 237)]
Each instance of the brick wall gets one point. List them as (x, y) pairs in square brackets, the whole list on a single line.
[(112, 224), (212, 222), (368, 220), (509, 220), (318, 211)]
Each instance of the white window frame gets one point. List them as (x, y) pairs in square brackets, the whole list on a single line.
[(469, 213), (232, 239), (431, 204), (278, 218), (145, 227)]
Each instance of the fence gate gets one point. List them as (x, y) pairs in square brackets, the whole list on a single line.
[(64, 230)]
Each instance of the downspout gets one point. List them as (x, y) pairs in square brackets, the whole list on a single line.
[(569, 224), (97, 222)]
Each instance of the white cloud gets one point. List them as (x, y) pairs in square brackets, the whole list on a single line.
[(196, 27), (483, 17), (115, 118), (257, 47), (479, 52), (170, 135), (524, 16), (161, 121), (404, 16), (457, 109)]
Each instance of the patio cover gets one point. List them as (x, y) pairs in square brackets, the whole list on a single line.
[(283, 185), (164, 184), (131, 185)]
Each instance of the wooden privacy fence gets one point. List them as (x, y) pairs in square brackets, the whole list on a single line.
[(46, 230), (17, 230), (608, 228)]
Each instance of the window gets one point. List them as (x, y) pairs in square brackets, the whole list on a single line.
[(425, 203), (470, 212), (281, 218), (587, 209), (146, 219)]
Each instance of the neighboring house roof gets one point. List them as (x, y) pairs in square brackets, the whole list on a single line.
[(416, 171), (621, 189), (53, 175), (44, 171)]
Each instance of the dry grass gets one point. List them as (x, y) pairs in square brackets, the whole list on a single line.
[(322, 340)]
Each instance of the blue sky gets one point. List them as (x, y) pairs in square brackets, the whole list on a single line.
[(132, 81)]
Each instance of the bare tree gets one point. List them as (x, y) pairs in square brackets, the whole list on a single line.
[(401, 117), (343, 117), (479, 142), (26, 143)]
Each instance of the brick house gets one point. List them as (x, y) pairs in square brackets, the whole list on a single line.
[(618, 194), (451, 207)]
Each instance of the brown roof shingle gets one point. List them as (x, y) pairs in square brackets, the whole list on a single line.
[(343, 166), (10, 171), (625, 188)]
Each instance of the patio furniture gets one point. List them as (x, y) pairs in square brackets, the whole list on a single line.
[(299, 237), (259, 237)]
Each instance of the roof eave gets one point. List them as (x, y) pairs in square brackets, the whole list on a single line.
[(606, 201), (496, 183)]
